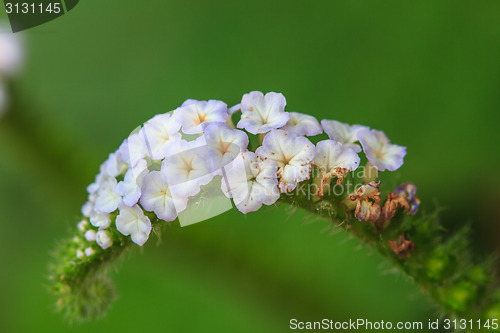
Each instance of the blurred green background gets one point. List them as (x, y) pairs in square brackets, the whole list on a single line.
[(427, 73)]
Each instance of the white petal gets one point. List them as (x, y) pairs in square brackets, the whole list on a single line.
[(332, 154), (114, 165), (133, 149), (251, 184), (157, 197), (107, 199), (132, 221), (103, 239), (343, 133), (99, 220), (187, 167), (158, 133), (130, 187), (224, 143), (260, 113), (192, 114), (380, 152), (90, 235), (302, 124), (292, 154)]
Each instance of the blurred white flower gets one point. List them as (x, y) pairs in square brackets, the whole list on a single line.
[(334, 159), (11, 52), (192, 114), (158, 132), (260, 113), (99, 220), (302, 124), (343, 133), (380, 152), (157, 197), (82, 225), (89, 251), (103, 239), (90, 235), (107, 199), (224, 143), (80, 254), (187, 167), (292, 154), (253, 184), (132, 221), (130, 187)]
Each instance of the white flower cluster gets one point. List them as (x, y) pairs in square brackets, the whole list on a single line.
[(167, 161), (11, 55)]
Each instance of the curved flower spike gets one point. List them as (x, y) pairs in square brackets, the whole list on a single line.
[(192, 114), (253, 186), (343, 133), (380, 152), (224, 143), (367, 202), (132, 221), (302, 124), (158, 133), (292, 154), (260, 113), (334, 159)]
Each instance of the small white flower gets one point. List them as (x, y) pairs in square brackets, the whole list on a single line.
[(130, 187), (132, 221), (192, 114), (302, 124), (83, 225), (260, 113), (253, 183), (114, 165), (380, 152), (157, 197), (334, 159), (344, 133), (225, 144), (187, 167), (292, 154), (133, 149), (11, 52), (89, 251), (158, 132), (90, 235), (99, 220), (80, 254), (107, 199), (103, 239)]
